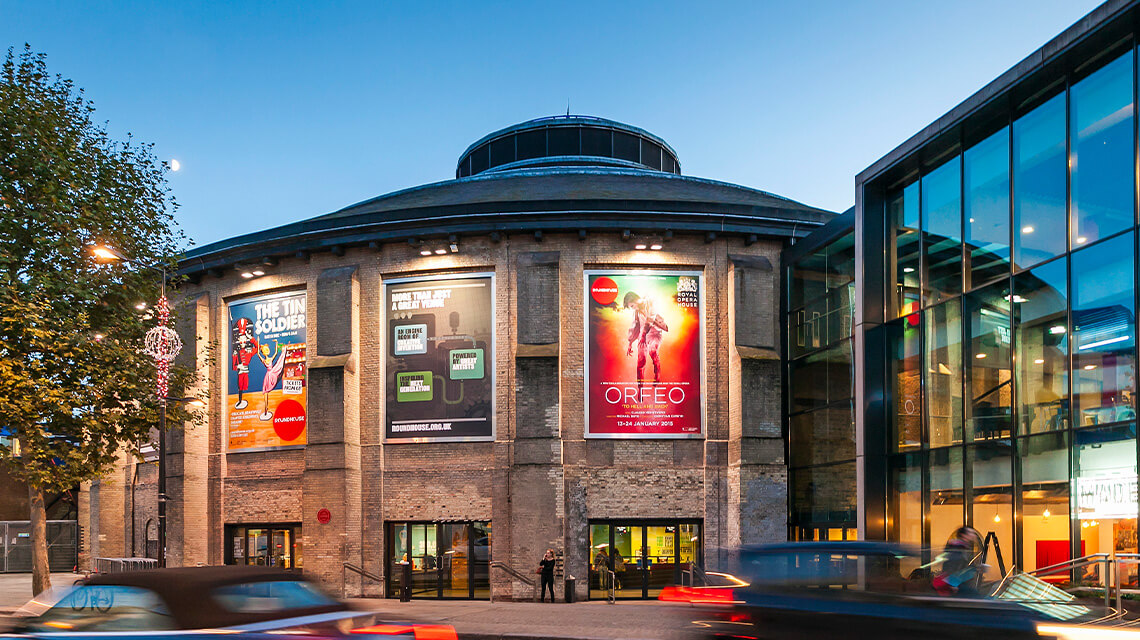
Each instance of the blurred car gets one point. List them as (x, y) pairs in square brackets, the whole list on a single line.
[(883, 590), (254, 602)]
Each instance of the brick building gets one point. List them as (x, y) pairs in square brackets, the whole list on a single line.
[(569, 346)]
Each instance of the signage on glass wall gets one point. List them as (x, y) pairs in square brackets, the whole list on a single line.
[(1106, 497), (266, 389), (439, 376), (644, 354)]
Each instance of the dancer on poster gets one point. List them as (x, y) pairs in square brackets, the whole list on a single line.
[(244, 347), (272, 373), (648, 325)]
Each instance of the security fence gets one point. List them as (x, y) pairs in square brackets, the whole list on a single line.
[(16, 545)]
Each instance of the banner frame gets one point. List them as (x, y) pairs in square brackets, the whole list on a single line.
[(385, 339), (251, 297), (586, 431)]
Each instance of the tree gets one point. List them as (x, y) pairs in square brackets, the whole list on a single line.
[(75, 387)]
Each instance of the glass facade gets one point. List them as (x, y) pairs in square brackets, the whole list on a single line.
[(999, 324), (638, 559), (269, 545), (821, 421)]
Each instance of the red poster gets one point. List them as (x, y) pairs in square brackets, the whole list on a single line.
[(643, 354)]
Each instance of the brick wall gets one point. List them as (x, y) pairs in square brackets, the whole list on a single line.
[(541, 480)]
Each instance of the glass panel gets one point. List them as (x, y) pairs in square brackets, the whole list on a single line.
[(824, 494), (991, 499), (600, 564), (840, 288), (1102, 152), (279, 549), (943, 373), (942, 232), (258, 547), (822, 436), (985, 174), (989, 380), (298, 549), (398, 555), (902, 212), (660, 558), (456, 566), (237, 542), (1045, 502), (625, 560), (270, 596), (822, 378), (904, 498), (1039, 175), (1040, 309), (907, 393), (946, 500), (689, 543), (1105, 464), (1104, 326), (481, 573), (425, 561), (105, 608)]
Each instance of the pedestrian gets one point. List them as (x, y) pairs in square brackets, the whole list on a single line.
[(602, 568), (546, 572)]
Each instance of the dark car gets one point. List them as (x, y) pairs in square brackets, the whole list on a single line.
[(882, 590), (253, 601)]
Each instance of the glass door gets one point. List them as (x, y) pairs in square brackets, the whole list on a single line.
[(659, 560), (626, 560), (455, 561), (481, 560), (599, 561)]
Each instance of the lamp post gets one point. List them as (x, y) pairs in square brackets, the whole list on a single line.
[(163, 344)]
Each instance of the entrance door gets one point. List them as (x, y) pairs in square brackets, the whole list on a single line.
[(448, 559), (264, 545), (644, 557)]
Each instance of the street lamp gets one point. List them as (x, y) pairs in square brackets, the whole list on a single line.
[(163, 344)]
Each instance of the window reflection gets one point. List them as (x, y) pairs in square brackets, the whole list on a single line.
[(987, 362), (1040, 308), (991, 495), (1039, 175), (947, 504), (902, 211), (905, 508), (907, 393), (1045, 502), (1104, 326), (1102, 152), (943, 373), (985, 174), (1105, 468), (942, 235)]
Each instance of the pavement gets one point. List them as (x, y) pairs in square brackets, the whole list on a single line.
[(16, 588), (483, 620)]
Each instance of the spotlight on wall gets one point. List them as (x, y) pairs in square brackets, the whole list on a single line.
[(248, 271), (440, 251), (453, 243), (425, 252)]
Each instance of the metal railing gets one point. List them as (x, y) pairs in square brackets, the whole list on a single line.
[(511, 571), (1103, 559), (360, 571), (612, 593)]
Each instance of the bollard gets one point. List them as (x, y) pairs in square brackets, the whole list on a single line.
[(569, 589), (406, 582)]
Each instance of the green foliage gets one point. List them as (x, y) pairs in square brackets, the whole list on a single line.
[(74, 383)]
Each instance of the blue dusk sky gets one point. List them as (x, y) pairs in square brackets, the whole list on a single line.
[(281, 111)]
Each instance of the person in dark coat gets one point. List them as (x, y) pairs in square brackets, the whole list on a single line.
[(546, 571)]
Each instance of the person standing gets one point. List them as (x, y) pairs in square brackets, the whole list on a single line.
[(546, 572)]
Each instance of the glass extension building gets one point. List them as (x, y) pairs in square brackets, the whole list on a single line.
[(974, 320)]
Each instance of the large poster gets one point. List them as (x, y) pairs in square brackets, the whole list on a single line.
[(266, 389), (644, 354), (440, 358)]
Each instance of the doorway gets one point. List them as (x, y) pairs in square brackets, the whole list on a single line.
[(644, 556), (270, 545), (449, 560)]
